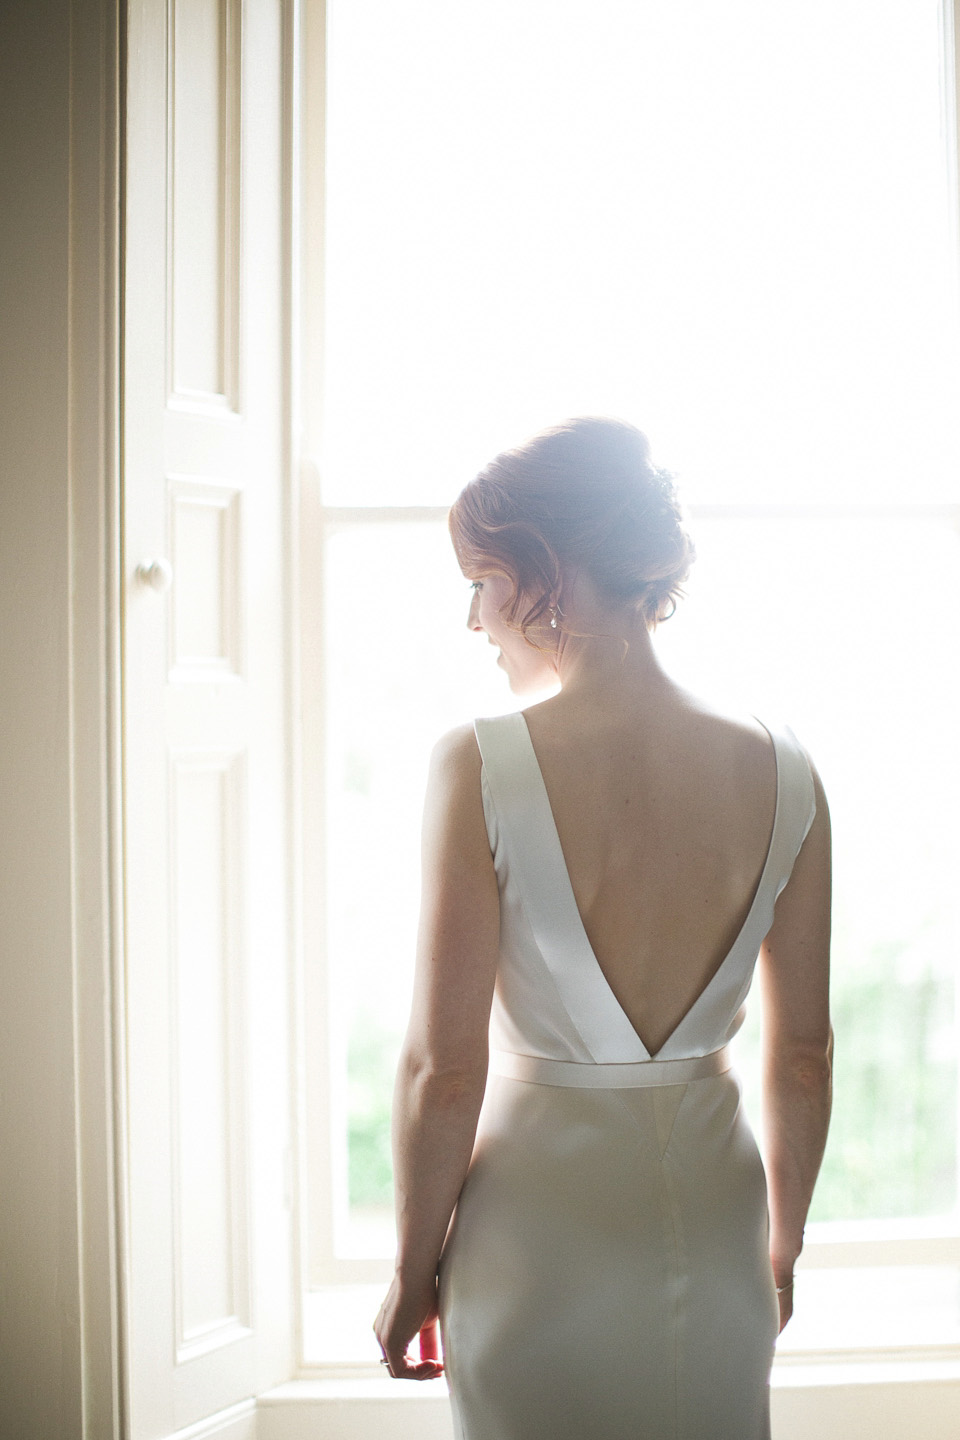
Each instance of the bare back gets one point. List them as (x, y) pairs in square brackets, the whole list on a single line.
[(665, 822)]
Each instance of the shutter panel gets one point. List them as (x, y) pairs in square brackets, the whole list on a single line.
[(205, 648)]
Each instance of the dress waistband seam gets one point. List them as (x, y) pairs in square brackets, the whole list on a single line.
[(596, 1075)]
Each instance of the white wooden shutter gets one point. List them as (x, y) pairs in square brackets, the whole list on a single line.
[(206, 708)]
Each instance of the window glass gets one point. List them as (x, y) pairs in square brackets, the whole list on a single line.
[(729, 224), (725, 222)]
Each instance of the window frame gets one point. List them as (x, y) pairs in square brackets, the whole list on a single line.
[(320, 1099)]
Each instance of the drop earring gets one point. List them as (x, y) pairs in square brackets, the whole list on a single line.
[(553, 616)]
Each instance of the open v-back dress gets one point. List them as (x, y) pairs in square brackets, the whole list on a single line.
[(606, 1276)]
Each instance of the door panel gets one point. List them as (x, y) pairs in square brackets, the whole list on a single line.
[(209, 1294), (205, 52)]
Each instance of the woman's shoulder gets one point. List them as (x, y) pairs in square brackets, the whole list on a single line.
[(463, 756), (453, 806), (456, 752), (750, 734), (722, 720)]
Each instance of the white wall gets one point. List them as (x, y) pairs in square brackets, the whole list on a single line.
[(39, 1343), (52, 1363)]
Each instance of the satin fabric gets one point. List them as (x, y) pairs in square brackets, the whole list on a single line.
[(606, 1276)]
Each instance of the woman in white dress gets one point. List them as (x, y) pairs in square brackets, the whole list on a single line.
[(605, 1254)]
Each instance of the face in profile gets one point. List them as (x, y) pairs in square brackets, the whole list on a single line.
[(528, 669)]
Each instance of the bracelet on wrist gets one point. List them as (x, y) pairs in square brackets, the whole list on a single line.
[(782, 1289)]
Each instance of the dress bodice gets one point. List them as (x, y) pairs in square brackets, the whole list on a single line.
[(552, 999)]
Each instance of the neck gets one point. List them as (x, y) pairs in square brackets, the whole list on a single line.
[(605, 655)]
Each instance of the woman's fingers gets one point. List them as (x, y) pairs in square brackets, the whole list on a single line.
[(404, 1367), (396, 1324)]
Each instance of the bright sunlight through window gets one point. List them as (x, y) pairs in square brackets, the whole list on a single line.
[(733, 226)]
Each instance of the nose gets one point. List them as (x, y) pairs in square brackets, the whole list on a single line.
[(473, 614)]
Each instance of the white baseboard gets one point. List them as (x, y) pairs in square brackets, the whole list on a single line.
[(239, 1422)]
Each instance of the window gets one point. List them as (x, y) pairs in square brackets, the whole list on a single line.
[(734, 226)]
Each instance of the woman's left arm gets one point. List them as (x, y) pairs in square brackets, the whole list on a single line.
[(443, 1064)]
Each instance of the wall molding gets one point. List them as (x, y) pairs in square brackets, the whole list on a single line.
[(93, 683)]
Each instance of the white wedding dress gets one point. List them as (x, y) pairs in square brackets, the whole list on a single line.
[(606, 1276)]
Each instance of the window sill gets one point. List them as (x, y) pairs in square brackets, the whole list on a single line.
[(355, 1409), (898, 1398)]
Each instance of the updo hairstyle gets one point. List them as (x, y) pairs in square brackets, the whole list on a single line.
[(584, 494)]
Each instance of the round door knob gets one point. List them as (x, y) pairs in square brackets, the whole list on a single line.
[(158, 574)]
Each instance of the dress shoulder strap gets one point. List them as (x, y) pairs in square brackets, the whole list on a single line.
[(525, 825), (796, 804), (528, 846)]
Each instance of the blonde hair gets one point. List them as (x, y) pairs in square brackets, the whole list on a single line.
[(584, 493)]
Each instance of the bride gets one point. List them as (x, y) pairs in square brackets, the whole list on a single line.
[(604, 1252)]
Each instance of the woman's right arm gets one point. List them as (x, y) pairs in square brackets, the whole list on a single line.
[(797, 1047)]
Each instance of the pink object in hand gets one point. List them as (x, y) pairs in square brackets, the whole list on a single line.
[(430, 1343)]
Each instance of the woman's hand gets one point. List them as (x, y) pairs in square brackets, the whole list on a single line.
[(404, 1313)]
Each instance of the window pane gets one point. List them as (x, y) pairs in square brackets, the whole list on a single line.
[(850, 630), (401, 671), (725, 222), (883, 1306)]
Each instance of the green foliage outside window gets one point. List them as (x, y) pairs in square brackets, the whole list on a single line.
[(892, 1146), (371, 1063)]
